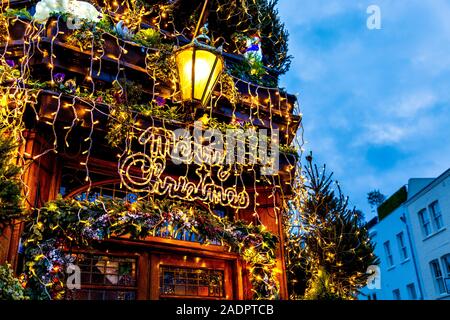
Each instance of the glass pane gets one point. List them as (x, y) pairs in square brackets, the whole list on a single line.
[(191, 282), (105, 273), (205, 76), (446, 262), (184, 65)]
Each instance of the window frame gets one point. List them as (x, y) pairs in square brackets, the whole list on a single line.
[(396, 294), (436, 215), (438, 277), (169, 268), (388, 253), (425, 224), (446, 266), (402, 246), (106, 287), (411, 289)]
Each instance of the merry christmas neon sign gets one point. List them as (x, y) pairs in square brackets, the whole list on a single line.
[(219, 159)]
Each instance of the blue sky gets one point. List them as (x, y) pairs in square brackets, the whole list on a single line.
[(376, 103)]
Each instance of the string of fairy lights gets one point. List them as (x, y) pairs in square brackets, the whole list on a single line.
[(51, 67), (21, 91)]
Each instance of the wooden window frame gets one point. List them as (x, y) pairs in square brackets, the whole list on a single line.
[(117, 254), (187, 296)]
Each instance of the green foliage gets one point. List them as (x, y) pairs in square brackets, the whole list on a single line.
[(229, 24), (126, 98), (3, 28), (289, 149), (214, 123), (150, 38), (159, 111), (321, 288), (332, 251), (119, 125), (10, 286), (392, 203), (274, 38), (7, 73), (18, 13), (231, 21), (254, 71), (161, 65), (63, 16), (228, 88), (89, 35), (72, 223), (105, 23), (375, 198), (10, 185)]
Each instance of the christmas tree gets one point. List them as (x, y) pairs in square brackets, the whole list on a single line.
[(329, 249)]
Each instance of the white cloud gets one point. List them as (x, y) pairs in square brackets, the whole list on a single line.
[(413, 104), (384, 133)]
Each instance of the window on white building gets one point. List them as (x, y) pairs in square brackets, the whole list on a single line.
[(411, 291), (424, 218), (446, 263), (437, 276), (396, 294), (372, 296), (402, 246), (436, 215), (388, 252)]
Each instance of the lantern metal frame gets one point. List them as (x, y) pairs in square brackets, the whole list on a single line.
[(197, 45)]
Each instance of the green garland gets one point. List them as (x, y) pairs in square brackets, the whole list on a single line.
[(229, 25), (10, 287), (10, 185), (63, 225)]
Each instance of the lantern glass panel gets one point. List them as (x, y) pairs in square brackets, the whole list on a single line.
[(207, 69), (184, 65)]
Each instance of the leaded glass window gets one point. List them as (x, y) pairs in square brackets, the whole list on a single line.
[(180, 281), (105, 278)]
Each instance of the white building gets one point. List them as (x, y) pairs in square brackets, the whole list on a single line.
[(428, 208), (399, 279), (412, 238)]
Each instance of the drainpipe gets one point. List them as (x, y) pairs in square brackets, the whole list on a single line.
[(403, 218)]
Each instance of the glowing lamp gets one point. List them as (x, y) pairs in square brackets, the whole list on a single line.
[(199, 67)]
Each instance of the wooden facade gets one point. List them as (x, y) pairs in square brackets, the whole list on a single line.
[(60, 172)]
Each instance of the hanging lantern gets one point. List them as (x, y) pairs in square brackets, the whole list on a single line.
[(199, 67)]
